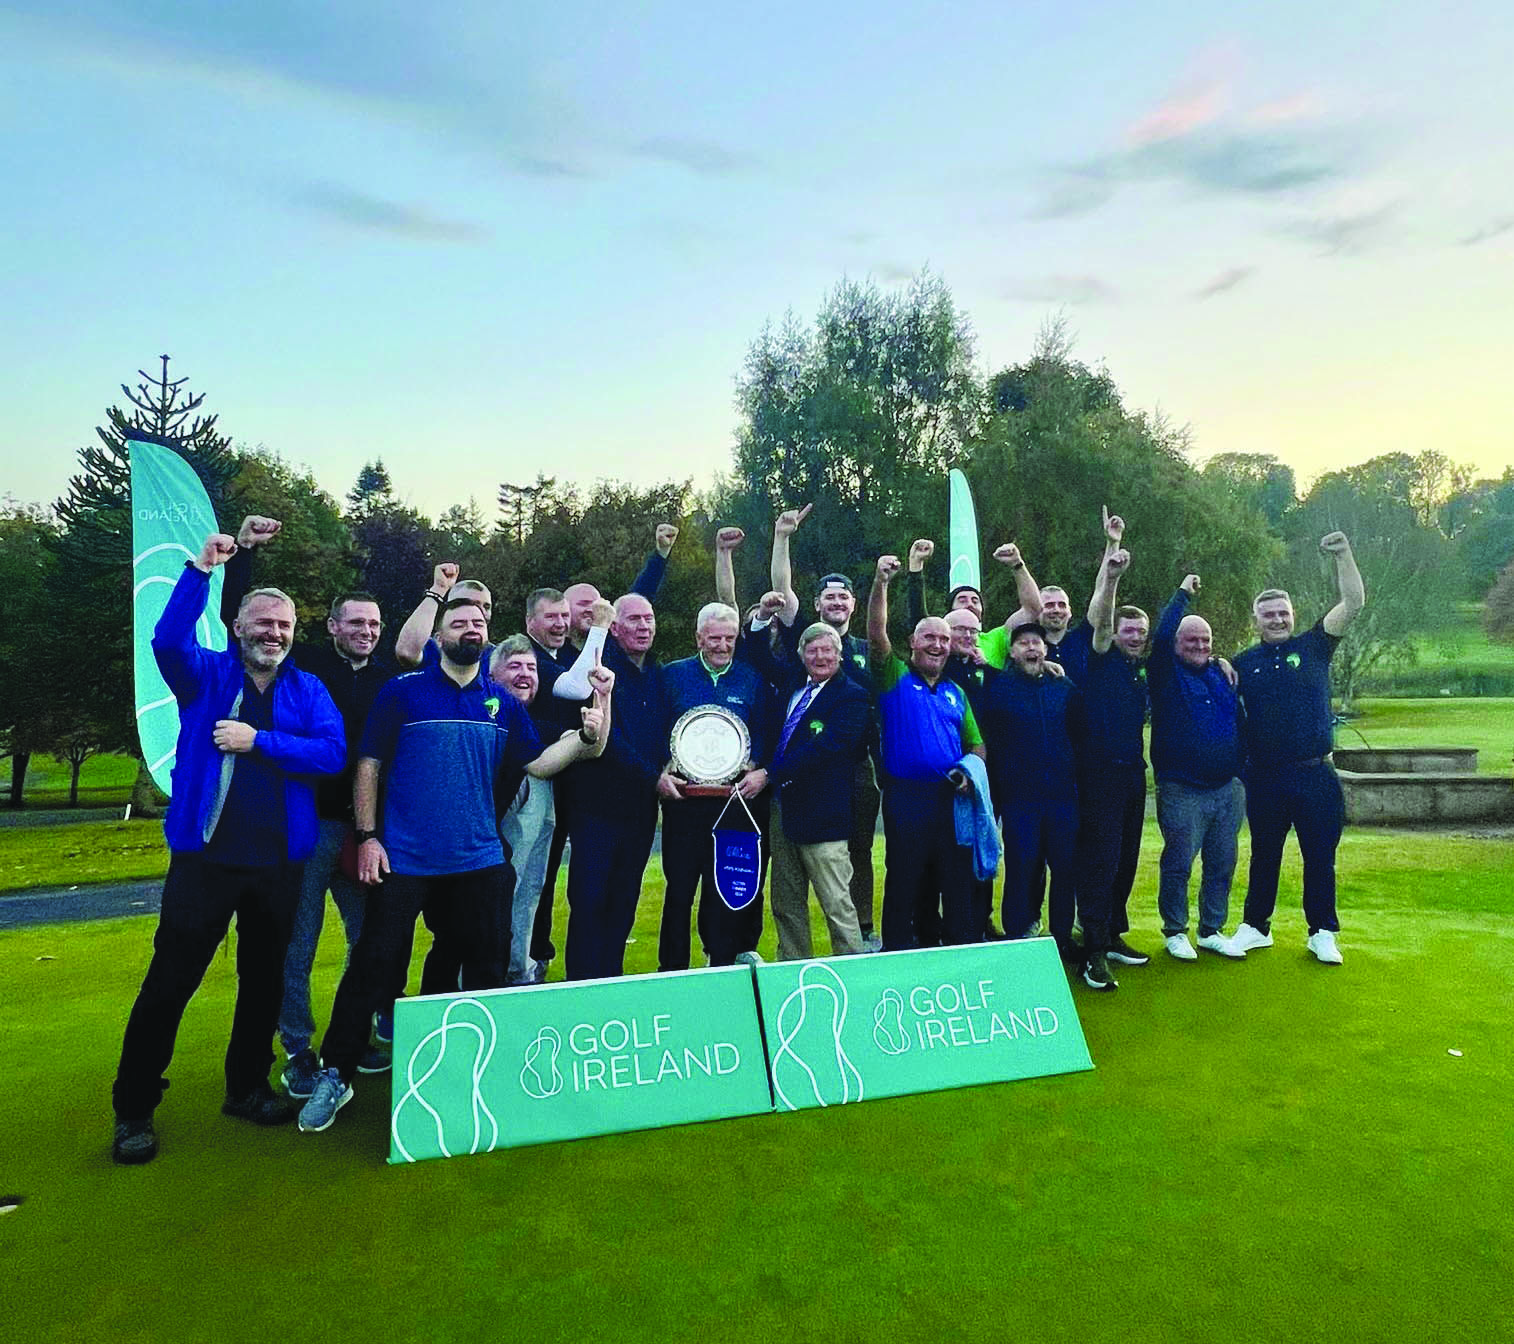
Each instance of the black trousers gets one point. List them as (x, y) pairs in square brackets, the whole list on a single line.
[(610, 853), (443, 968), (930, 896), (1111, 811), (1307, 799), (688, 863), (1040, 833), (542, 947), (462, 911), (199, 899)]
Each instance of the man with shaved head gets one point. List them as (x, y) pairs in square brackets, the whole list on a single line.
[(1196, 754), (927, 729)]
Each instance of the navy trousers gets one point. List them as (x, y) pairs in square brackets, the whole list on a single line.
[(1040, 833), (929, 893), (609, 858), (1308, 800)]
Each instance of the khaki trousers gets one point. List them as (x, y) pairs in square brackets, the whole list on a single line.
[(827, 867)]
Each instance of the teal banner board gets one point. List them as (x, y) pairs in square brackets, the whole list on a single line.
[(170, 519), (503, 1068), (848, 1029), (962, 532)]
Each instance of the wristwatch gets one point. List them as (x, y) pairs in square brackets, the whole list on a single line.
[(363, 836)]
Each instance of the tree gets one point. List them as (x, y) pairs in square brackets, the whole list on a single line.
[(520, 505), (1257, 480), (1058, 445), (94, 545), (393, 547), (314, 557), (1498, 607), (1481, 519), (859, 415), (1408, 565), (28, 570)]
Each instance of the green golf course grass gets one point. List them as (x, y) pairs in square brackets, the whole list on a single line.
[(1266, 1150)]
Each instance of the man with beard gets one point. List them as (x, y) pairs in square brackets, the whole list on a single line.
[(713, 676), (1111, 775), (1196, 757), (1033, 725), (927, 728), (414, 644), (613, 801), (1289, 732), (437, 740), (835, 604), (252, 729), (352, 670)]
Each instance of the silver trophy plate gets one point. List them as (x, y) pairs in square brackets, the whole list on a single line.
[(710, 745)]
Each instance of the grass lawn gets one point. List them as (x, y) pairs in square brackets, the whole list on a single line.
[(1269, 1150), (90, 851), (1486, 723), (104, 781)]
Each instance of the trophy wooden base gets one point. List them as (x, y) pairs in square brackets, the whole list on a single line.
[(708, 790)]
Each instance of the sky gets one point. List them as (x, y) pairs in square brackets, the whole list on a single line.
[(482, 241)]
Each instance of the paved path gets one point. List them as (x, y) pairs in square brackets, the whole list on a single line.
[(64, 905), (63, 816)]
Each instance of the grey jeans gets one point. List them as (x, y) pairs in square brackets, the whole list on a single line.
[(1197, 821), (322, 870), (527, 828)]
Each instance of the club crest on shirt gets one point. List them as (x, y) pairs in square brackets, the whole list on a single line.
[(816, 727), (1292, 660), (492, 705)]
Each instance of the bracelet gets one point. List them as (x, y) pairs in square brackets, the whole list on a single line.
[(436, 597), (588, 739), (364, 836)]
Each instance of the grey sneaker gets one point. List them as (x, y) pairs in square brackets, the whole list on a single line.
[(330, 1095), (300, 1073), (375, 1060), (872, 942), (135, 1142), (263, 1106)]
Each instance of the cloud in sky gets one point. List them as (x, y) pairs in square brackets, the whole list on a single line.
[(1224, 282), (1494, 228), (1334, 235), (1192, 139), (1070, 289), (356, 210), (703, 157)]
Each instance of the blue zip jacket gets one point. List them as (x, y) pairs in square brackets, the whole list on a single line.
[(1195, 716), (307, 737)]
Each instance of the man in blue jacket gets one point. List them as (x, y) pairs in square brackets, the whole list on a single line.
[(241, 824), (826, 718), (1196, 755)]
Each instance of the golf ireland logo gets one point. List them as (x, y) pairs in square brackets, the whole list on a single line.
[(818, 1072), (889, 1034), (470, 1020), (533, 1082)]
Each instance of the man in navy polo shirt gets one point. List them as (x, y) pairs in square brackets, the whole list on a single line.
[(1196, 756), (927, 728), (714, 676), (1290, 781), (436, 740)]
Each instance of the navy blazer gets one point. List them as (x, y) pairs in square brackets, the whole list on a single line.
[(814, 775)]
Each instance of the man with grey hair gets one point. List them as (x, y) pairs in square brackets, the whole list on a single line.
[(713, 676), (1289, 734), (252, 730), (826, 716)]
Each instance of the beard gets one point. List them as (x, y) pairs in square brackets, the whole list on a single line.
[(464, 653)]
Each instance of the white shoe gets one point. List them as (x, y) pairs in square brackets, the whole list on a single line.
[(1217, 942), (1245, 938), (1178, 946), (1322, 944)]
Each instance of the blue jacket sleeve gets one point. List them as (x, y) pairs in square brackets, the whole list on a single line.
[(180, 657), (317, 744), (1161, 657), (649, 582)]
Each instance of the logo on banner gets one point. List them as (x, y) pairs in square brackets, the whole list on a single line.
[(810, 1055)]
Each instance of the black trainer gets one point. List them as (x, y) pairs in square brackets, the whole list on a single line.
[(135, 1142), (263, 1106), (1122, 952), (1096, 973)]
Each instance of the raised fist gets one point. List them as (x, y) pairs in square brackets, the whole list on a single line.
[(255, 530), (594, 722), (1114, 526), (601, 613), (729, 538), (1009, 554), (443, 577), (772, 603), (1190, 585), (217, 550), (1334, 543), (888, 566), (919, 552), (667, 534), (787, 522)]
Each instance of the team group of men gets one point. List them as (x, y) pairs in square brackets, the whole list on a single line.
[(451, 791)]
